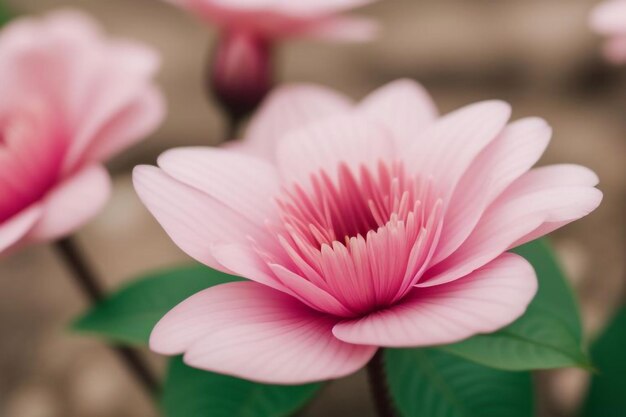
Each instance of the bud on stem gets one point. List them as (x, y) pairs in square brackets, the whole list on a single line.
[(241, 73)]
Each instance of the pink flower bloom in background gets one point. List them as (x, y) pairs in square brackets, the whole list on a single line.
[(242, 68), (69, 100), (277, 19), (361, 226), (609, 19)]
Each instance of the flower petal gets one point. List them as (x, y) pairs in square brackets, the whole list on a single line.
[(288, 108), (120, 78), (88, 79), (514, 152), (554, 194), (558, 175), (192, 219), (13, 230), (46, 55), (72, 204), (31, 155), (299, 9), (250, 331), (404, 106), (482, 302), (244, 183), (311, 295), (446, 150), (555, 176), (312, 8), (131, 124), (351, 139), (245, 262)]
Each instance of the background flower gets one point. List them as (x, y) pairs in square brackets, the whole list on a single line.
[(362, 226), (609, 19), (242, 68), (70, 99), (274, 19)]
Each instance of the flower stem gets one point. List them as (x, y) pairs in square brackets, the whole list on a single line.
[(86, 280), (233, 121), (378, 386)]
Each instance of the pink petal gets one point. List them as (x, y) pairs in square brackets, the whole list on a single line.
[(450, 145), (253, 17), (558, 175), (273, 18), (555, 176), (251, 331), (314, 8), (131, 124), (31, 155), (72, 204), (192, 219), (288, 108), (514, 152), (300, 9), (245, 262), (404, 106), (541, 196), (46, 55), (309, 294), (482, 302), (351, 139), (119, 81), (87, 79), (13, 230), (244, 183), (64, 22), (609, 18)]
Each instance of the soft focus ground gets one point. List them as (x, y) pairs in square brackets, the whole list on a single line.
[(537, 54)]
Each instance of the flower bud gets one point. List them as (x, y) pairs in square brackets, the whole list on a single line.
[(241, 72)]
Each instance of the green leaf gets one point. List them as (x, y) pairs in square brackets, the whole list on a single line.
[(607, 392), (432, 383), (191, 392), (129, 315), (5, 14), (547, 336)]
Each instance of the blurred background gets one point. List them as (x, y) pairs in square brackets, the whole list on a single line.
[(537, 54)]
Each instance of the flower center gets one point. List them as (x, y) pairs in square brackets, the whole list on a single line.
[(352, 206), (31, 155), (364, 237)]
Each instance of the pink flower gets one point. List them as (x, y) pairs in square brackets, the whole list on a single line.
[(241, 71), (274, 19), (69, 100), (609, 19), (358, 227)]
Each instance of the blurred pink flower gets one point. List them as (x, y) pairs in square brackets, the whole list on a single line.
[(359, 226), (274, 19), (241, 71), (69, 99), (609, 19)]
